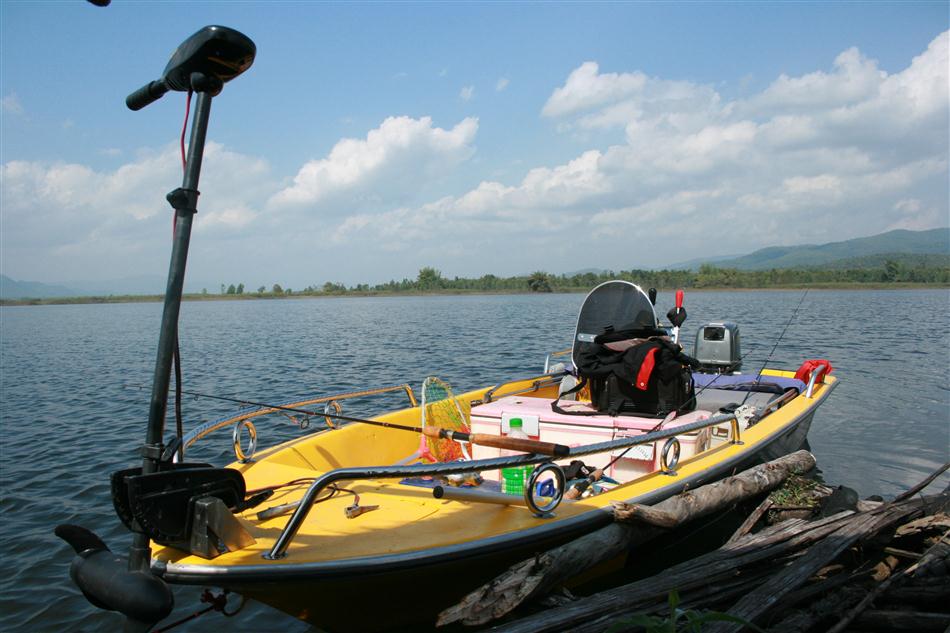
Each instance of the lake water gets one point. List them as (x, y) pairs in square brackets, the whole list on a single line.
[(70, 411)]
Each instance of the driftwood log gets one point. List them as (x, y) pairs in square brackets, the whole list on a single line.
[(795, 548), (634, 524)]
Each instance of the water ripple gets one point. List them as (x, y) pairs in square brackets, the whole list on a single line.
[(68, 416)]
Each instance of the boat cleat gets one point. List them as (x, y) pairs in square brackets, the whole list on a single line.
[(355, 510)]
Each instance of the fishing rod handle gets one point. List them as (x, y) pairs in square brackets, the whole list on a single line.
[(500, 441), (578, 489), (519, 444)]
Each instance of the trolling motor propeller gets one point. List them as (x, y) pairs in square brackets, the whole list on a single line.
[(107, 583), (216, 54)]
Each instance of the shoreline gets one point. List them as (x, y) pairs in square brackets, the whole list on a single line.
[(85, 300)]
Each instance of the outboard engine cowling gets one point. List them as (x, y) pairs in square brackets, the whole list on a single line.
[(717, 347)]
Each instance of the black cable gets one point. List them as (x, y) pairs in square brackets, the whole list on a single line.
[(179, 425)]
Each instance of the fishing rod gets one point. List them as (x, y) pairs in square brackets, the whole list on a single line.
[(768, 358), (479, 439)]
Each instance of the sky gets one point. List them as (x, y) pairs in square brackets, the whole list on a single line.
[(369, 140)]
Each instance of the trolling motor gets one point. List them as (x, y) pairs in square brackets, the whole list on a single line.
[(203, 64)]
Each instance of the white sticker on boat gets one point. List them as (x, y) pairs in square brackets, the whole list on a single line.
[(643, 452)]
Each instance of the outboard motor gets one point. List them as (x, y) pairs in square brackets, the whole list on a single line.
[(717, 347)]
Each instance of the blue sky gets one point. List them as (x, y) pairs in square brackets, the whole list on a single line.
[(369, 140)]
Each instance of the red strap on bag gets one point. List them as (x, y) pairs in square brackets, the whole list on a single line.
[(810, 365), (646, 369)]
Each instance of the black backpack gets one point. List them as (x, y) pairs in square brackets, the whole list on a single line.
[(651, 377), (620, 350)]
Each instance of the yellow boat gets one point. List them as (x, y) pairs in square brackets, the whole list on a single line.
[(417, 554), (341, 529)]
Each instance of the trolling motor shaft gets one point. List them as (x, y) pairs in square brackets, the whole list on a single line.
[(203, 63)]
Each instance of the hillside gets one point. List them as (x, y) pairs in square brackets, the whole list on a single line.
[(859, 252), (13, 289)]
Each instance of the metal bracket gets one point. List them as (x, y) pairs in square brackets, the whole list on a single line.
[(215, 530), (183, 199), (152, 451)]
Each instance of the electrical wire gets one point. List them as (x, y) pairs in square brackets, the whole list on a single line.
[(176, 352)]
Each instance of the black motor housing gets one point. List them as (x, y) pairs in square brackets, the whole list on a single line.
[(107, 583)]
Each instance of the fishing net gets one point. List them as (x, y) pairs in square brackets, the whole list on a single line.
[(441, 409)]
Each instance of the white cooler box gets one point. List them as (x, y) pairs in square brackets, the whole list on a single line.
[(541, 423)]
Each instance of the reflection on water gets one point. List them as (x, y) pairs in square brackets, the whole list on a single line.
[(71, 412)]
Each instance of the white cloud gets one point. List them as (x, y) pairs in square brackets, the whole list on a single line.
[(677, 171), (501, 84), (912, 215), (826, 155), (466, 93), (67, 217), (586, 88), (11, 104), (390, 165)]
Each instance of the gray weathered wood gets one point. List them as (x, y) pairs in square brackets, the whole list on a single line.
[(764, 597), (933, 553), (712, 568), (751, 520), (894, 621)]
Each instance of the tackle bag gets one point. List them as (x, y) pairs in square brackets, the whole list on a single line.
[(649, 377)]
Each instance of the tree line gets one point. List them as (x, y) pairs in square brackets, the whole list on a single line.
[(708, 276)]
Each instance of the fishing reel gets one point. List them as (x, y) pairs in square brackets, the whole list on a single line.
[(545, 489)]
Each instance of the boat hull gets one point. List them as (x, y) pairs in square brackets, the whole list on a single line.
[(408, 589)]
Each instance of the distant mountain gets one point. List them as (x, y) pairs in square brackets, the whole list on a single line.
[(837, 254), (694, 264), (907, 260), (13, 289), (138, 285), (585, 271)]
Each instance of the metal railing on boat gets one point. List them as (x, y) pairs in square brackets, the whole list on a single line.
[(242, 418), (279, 549)]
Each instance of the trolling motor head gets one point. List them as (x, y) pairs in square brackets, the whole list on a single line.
[(204, 62)]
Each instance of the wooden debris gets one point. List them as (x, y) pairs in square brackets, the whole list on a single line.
[(757, 602), (763, 577), (895, 621), (751, 520), (934, 553)]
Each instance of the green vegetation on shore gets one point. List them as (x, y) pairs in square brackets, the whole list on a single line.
[(892, 274)]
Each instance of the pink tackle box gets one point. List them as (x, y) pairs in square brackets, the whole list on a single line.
[(541, 423)]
